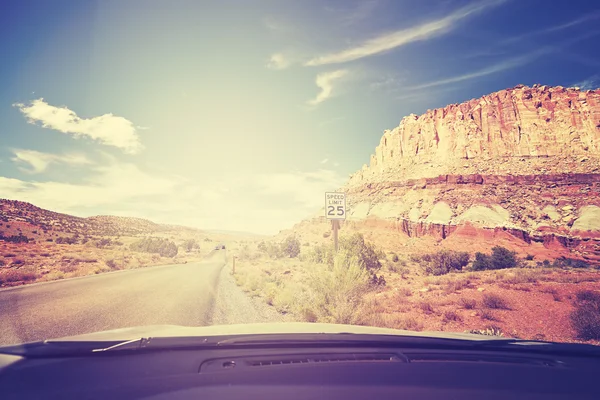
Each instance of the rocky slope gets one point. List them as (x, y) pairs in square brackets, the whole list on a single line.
[(21, 215), (520, 166)]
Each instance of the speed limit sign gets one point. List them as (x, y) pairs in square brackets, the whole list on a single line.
[(335, 205)]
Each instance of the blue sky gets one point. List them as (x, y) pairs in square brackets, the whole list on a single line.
[(239, 114)]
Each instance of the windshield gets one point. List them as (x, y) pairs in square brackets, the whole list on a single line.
[(421, 166)]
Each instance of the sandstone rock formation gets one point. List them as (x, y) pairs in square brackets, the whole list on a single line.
[(520, 164), (500, 131)]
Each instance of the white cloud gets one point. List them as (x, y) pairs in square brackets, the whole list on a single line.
[(38, 162), (262, 203), (555, 28), (390, 41), (325, 161), (110, 184), (107, 129), (498, 67), (591, 83), (507, 64), (354, 15), (325, 82), (278, 61), (388, 82)]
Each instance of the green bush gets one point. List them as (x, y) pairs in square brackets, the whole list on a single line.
[(366, 253), (164, 247), (322, 254), (585, 319), (191, 244), (564, 262), (444, 262), (291, 247), (499, 259)]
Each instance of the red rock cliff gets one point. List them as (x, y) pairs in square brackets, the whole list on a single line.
[(525, 122)]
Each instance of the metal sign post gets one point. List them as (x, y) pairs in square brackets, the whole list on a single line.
[(335, 210)]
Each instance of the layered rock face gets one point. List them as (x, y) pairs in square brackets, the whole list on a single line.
[(522, 162), (494, 133)]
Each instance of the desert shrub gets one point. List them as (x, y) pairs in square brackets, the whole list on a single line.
[(492, 300), (191, 244), (247, 254), (499, 259), (451, 316), (395, 257), (104, 242), (377, 280), (564, 262), (17, 261), (17, 275), (587, 296), (455, 285), (415, 258), (426, 307), (111, 263), (274, 250), (529, 257), (366, 253), (322, 254), (336, 291), (409, 324), (291, 247), (326, 234), (163, 247), (392, 267), (443, 262), (488, 315), (65, 240), (66, 268), (585, 319), (20, 238)]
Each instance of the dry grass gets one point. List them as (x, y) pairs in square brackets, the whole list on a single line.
[(426, 307), (45, 261), (467, 304), (494, 301), (18, 275), (487, 315), (451, 316)]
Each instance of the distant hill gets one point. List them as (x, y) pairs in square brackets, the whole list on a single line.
[(22, 216)]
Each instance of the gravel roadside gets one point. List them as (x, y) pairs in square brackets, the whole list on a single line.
[(233, 306)]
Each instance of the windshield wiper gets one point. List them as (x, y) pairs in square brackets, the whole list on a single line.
[(303, 340)]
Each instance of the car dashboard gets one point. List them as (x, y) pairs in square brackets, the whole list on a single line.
[(280, 372)]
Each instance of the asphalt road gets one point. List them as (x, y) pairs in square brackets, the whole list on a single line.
[(181, 294)]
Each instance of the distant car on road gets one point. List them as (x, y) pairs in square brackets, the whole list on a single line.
[(220, 246)]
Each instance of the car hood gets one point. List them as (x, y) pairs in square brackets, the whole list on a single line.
[(258, 329)]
